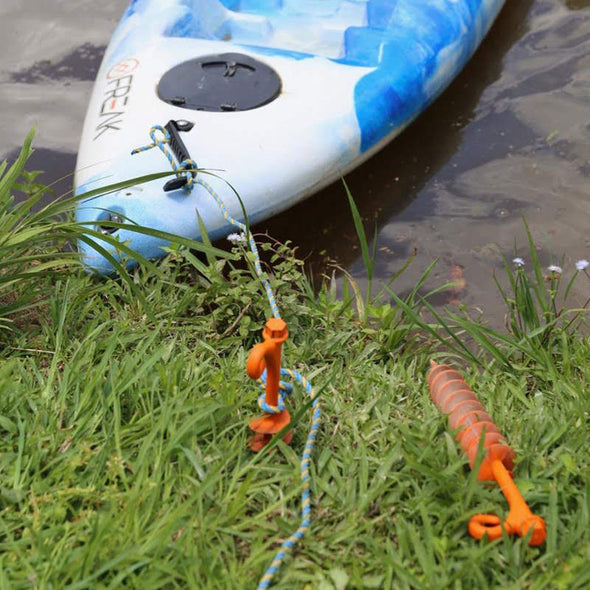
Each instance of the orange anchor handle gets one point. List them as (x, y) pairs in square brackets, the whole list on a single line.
[(520, 519), (267, 355)]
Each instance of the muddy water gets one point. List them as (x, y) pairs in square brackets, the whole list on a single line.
[(509, 139)]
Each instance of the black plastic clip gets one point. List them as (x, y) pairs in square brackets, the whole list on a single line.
[(179, 150)]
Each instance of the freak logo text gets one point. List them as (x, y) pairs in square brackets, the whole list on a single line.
[(116, 96)]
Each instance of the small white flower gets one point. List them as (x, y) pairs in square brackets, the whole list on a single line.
[(236, 238), (582, 264), (518, 261), (555, 268)]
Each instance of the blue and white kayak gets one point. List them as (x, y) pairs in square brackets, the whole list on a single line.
[(279, 97)]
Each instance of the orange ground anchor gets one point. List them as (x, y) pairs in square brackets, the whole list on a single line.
[(267, 355), (468, 417)]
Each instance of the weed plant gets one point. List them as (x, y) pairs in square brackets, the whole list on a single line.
[(123, 420)]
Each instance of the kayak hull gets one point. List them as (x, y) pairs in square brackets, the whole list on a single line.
[(353, 74)]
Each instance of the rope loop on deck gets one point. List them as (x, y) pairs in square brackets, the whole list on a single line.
[(186, 169)]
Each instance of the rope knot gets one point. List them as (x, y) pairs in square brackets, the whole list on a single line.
[(186, 169), (285, 389)]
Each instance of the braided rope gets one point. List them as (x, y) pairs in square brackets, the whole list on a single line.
[(290, 543), (187, 167), (251, 242), (285, 389)]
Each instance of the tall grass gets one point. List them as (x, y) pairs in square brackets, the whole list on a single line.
[(37, 243), (538, 315)]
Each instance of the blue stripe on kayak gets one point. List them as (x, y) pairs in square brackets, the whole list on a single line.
[(231, 4), (380, 13), (261, 6), (408, 57)]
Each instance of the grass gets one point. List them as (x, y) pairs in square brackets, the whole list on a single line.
[(124, 410)]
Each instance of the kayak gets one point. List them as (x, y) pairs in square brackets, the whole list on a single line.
[(273, 98)]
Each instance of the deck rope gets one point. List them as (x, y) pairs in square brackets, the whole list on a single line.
[(188, 168)]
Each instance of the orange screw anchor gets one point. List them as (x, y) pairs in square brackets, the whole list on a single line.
[(267, 355), (474, 426), (520, 519)]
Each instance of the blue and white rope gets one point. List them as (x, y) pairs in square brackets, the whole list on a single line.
[(290, 543), (251, 242), (285, 389), (188, 168)]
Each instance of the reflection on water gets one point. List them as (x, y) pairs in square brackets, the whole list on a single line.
[(509, 139), (49, 55)]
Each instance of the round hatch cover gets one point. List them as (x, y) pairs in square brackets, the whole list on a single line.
[(220, 83)]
